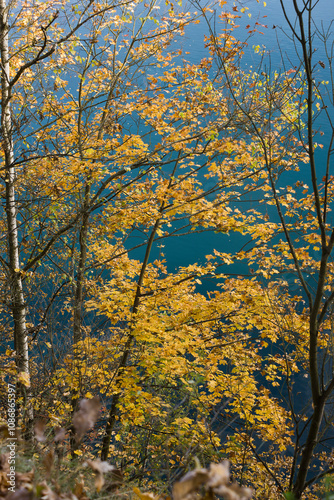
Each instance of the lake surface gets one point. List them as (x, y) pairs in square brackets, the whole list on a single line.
[(181, 251)]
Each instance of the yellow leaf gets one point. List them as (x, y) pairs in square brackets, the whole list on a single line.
[(24, 378), (143, 496), (55, 419), (90, 152)]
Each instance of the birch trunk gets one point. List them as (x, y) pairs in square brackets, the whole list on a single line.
[(17, 301)]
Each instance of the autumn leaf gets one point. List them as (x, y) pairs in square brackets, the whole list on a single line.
[(24, 378), (189, 483), (100, 468), (144, 496), (60, 434), (39, 429), (85, 418)]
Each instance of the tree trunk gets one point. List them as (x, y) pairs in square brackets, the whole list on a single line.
[(311, 442), (17, 301), (78, 300)]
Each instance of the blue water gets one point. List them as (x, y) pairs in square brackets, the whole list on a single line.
[(184, 250)]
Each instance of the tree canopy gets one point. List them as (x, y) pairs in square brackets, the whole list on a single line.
[(119, 147)]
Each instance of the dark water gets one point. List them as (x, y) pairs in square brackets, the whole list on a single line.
[(273, 33)]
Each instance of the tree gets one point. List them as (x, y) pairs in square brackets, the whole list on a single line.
[(165, 342), (83, 175), (113, 148), (37, 44), (296, 268)]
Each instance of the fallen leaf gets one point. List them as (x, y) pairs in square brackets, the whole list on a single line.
[(60, 434), (39, 430), (85, 418), (100, 468), (189, 483), (144, 496), (219, 474)]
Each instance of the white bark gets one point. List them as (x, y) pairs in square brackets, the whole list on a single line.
[(17, 301)]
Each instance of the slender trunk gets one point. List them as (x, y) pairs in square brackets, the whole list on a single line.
[(17, 300), (109, 427), (78, 301), (312, 440), (136, 303), (126, 352), (77, 308)]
